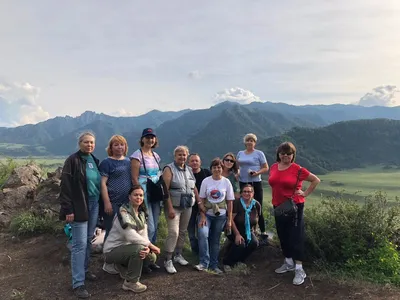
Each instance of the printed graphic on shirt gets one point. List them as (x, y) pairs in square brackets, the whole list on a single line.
[(216, 190)]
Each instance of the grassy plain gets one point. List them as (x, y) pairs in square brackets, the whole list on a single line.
[(354, 184)]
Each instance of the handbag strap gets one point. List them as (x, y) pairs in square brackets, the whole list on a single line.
[(186, 180), (144, 164), (297, 181)]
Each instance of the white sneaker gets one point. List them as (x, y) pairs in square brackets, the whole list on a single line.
[(169, 267), (216, 271), (227, 268), (110, 269), (180, 260), (285, 268), (299, 276), (200, 267)]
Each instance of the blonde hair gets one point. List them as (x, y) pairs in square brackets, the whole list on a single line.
[(83, 134), (116, 139), (250, 136), (181, 148)]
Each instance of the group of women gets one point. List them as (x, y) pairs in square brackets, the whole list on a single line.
[(203, 202)]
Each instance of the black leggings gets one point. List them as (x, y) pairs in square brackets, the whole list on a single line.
[(291, 236), (239, 253), (258, 195)]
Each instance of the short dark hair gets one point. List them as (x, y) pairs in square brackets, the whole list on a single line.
[(193, 154), (245, 186), (216, 162), (286, 147)]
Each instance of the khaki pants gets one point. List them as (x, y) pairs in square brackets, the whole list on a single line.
[(177, 228), (128, 255)]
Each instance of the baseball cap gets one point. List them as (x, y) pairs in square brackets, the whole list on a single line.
[(148, 131)]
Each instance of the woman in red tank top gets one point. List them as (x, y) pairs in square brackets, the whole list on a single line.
[(286, 179)]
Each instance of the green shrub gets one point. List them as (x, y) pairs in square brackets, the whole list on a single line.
[(6, 167), (30, 224), (358, 238)]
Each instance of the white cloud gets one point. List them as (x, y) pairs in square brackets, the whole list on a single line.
[(236, 94), (122, 113), (196, 74), (18, 104), (384, 95)]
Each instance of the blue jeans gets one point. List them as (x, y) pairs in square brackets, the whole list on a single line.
[(209, 240), (153, 210), (82, 234), (108, 220)]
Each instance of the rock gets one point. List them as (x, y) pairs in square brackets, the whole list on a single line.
[(5, 219), (57, 173), (46, 200), (28, 175), (18, 198)]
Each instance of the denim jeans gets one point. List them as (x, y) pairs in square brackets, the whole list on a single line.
[(153, 210), (209, 240), (82, 234), (108, 219)]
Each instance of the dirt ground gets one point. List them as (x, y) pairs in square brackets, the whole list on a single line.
[(38, 268)]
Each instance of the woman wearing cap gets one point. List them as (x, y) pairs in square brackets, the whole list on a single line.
[(252, 164), (145, 163), (79, 199)]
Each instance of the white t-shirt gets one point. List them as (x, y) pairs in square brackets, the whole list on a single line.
[(216, 191)]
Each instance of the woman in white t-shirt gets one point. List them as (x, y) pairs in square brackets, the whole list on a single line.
[(215, 206)]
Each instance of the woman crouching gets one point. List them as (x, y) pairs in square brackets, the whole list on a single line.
[(128, 244), (246, 212)]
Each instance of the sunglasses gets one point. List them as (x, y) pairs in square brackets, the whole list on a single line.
[(229, 160), (286, 153)]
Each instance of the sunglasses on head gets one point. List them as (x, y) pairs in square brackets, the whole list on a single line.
[(229, 160)]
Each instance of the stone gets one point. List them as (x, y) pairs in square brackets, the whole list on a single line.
[(28, 175)]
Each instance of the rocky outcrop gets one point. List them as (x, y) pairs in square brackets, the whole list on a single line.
[(46, 200), (28, 175), (18, 192)]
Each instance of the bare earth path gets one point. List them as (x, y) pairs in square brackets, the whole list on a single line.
[(38, 268)]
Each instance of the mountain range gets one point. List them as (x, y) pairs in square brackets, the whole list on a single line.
[(210, 132)]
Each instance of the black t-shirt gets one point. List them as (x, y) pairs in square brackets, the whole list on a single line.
[(199, 179)]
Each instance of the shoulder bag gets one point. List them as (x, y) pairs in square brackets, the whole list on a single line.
[(288, 208)]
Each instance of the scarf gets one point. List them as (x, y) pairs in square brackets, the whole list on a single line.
[(247, 211), (128, 217)]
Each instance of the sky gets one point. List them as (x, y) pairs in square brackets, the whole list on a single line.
[(125, 57)]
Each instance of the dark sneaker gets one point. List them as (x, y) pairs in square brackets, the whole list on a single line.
[(154, 266), (146, 270), (90, 276), (81, 292), (263, 240)]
